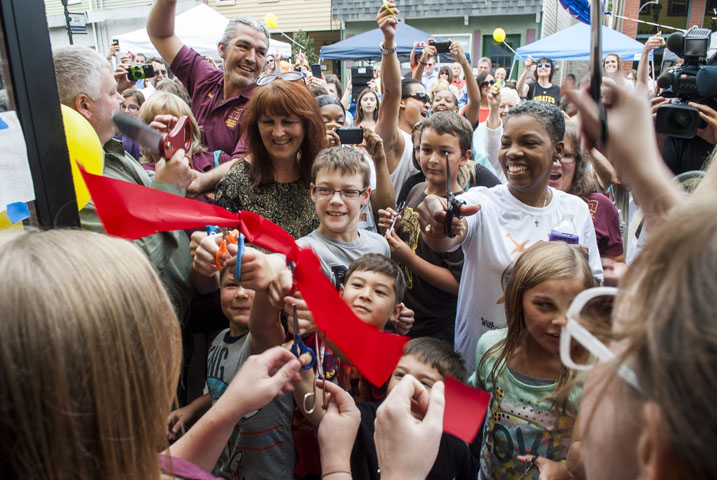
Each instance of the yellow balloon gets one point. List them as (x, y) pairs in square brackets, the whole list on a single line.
[(85, 148), (270, 20), (499, 35)]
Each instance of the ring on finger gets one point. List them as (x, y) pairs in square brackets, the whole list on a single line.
[(427, 229)]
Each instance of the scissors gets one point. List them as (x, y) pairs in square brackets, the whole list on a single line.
[(528, 467), (311, 396), (399, 209), (299, 347), (234, 237), (454, 205)]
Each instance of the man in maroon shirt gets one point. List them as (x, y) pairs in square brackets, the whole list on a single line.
[(219, 97)]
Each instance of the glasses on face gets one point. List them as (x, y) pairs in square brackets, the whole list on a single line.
[(543, 65), (420, 96), (592, 307), (487, 83), (288, 76), (344, 193), (131, 108), (568, 158)]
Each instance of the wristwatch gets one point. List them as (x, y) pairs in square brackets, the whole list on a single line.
[(386, 51)]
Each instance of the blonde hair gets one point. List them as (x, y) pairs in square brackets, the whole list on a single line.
[(90, 350), (667, 316), (438, 86), (541, 262), (163, 103)]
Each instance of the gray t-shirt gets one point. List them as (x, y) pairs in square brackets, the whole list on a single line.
[(337, 256), (261, 446)]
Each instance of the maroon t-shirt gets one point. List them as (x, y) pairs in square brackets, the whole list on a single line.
[(607, 224), (219, 118)]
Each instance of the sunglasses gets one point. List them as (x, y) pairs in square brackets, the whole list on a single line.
[(543, 65), (288, 76), (420, 96), (487, 83)]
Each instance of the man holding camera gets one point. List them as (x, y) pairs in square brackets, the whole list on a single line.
[(219, 97)]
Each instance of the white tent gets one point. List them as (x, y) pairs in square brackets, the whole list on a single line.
[(200, 27)]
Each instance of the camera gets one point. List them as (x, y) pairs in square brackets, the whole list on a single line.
[(137, 72), (441, 47), (692, 82)]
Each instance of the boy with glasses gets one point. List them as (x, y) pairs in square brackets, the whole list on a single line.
[(340, 188)]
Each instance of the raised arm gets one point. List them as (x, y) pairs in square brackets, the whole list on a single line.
[(643, 80), (520, 87), (473, 106), (384, 196), (429, 51), (160, 28), (387, 124)]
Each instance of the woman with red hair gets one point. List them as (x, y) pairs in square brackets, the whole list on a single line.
[(284, 131)]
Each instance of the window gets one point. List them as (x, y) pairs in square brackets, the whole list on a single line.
[(677, 8)]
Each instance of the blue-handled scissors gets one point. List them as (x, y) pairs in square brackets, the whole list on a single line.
[(299, 347)]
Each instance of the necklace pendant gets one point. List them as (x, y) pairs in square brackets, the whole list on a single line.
[(537, 223)]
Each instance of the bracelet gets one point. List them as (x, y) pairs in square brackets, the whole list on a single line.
[(323, 475)]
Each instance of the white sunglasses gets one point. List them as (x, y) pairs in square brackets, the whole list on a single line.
[(573, 330)]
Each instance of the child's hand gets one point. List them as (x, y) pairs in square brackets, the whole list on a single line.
[(405, 320), (373, 144), (256, 271), (407, 447), (176, 421), (400, 251), (306, 318), (205, 256), (549, 470), (337, 430), (280, 288), (386, 218)]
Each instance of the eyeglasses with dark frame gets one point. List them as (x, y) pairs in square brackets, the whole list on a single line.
[(568, 158), (344, 193), (420, 96), (132, 107), (288, 76)]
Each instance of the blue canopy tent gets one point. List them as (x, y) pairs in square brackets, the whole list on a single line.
[(365, 45), (573, 43)]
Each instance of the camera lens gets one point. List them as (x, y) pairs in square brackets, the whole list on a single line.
[(679, 120)]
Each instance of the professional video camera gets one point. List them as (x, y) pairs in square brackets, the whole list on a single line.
[(694, 81)]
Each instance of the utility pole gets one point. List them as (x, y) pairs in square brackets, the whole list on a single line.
[(67, 20)]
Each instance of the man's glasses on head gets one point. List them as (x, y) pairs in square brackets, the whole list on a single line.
[(420, 96)]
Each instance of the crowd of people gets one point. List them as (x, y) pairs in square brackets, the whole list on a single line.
[(472, 214)]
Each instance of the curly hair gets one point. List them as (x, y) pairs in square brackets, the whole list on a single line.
[(547, 114)]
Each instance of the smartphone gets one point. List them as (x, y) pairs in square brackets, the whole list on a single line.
[(297, 69), (115, 42), (421, 45), (137, 72), (350, 136), (441, 47), (316, 70)]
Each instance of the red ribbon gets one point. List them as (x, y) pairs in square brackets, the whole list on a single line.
[(465, 409), (134, 211)]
